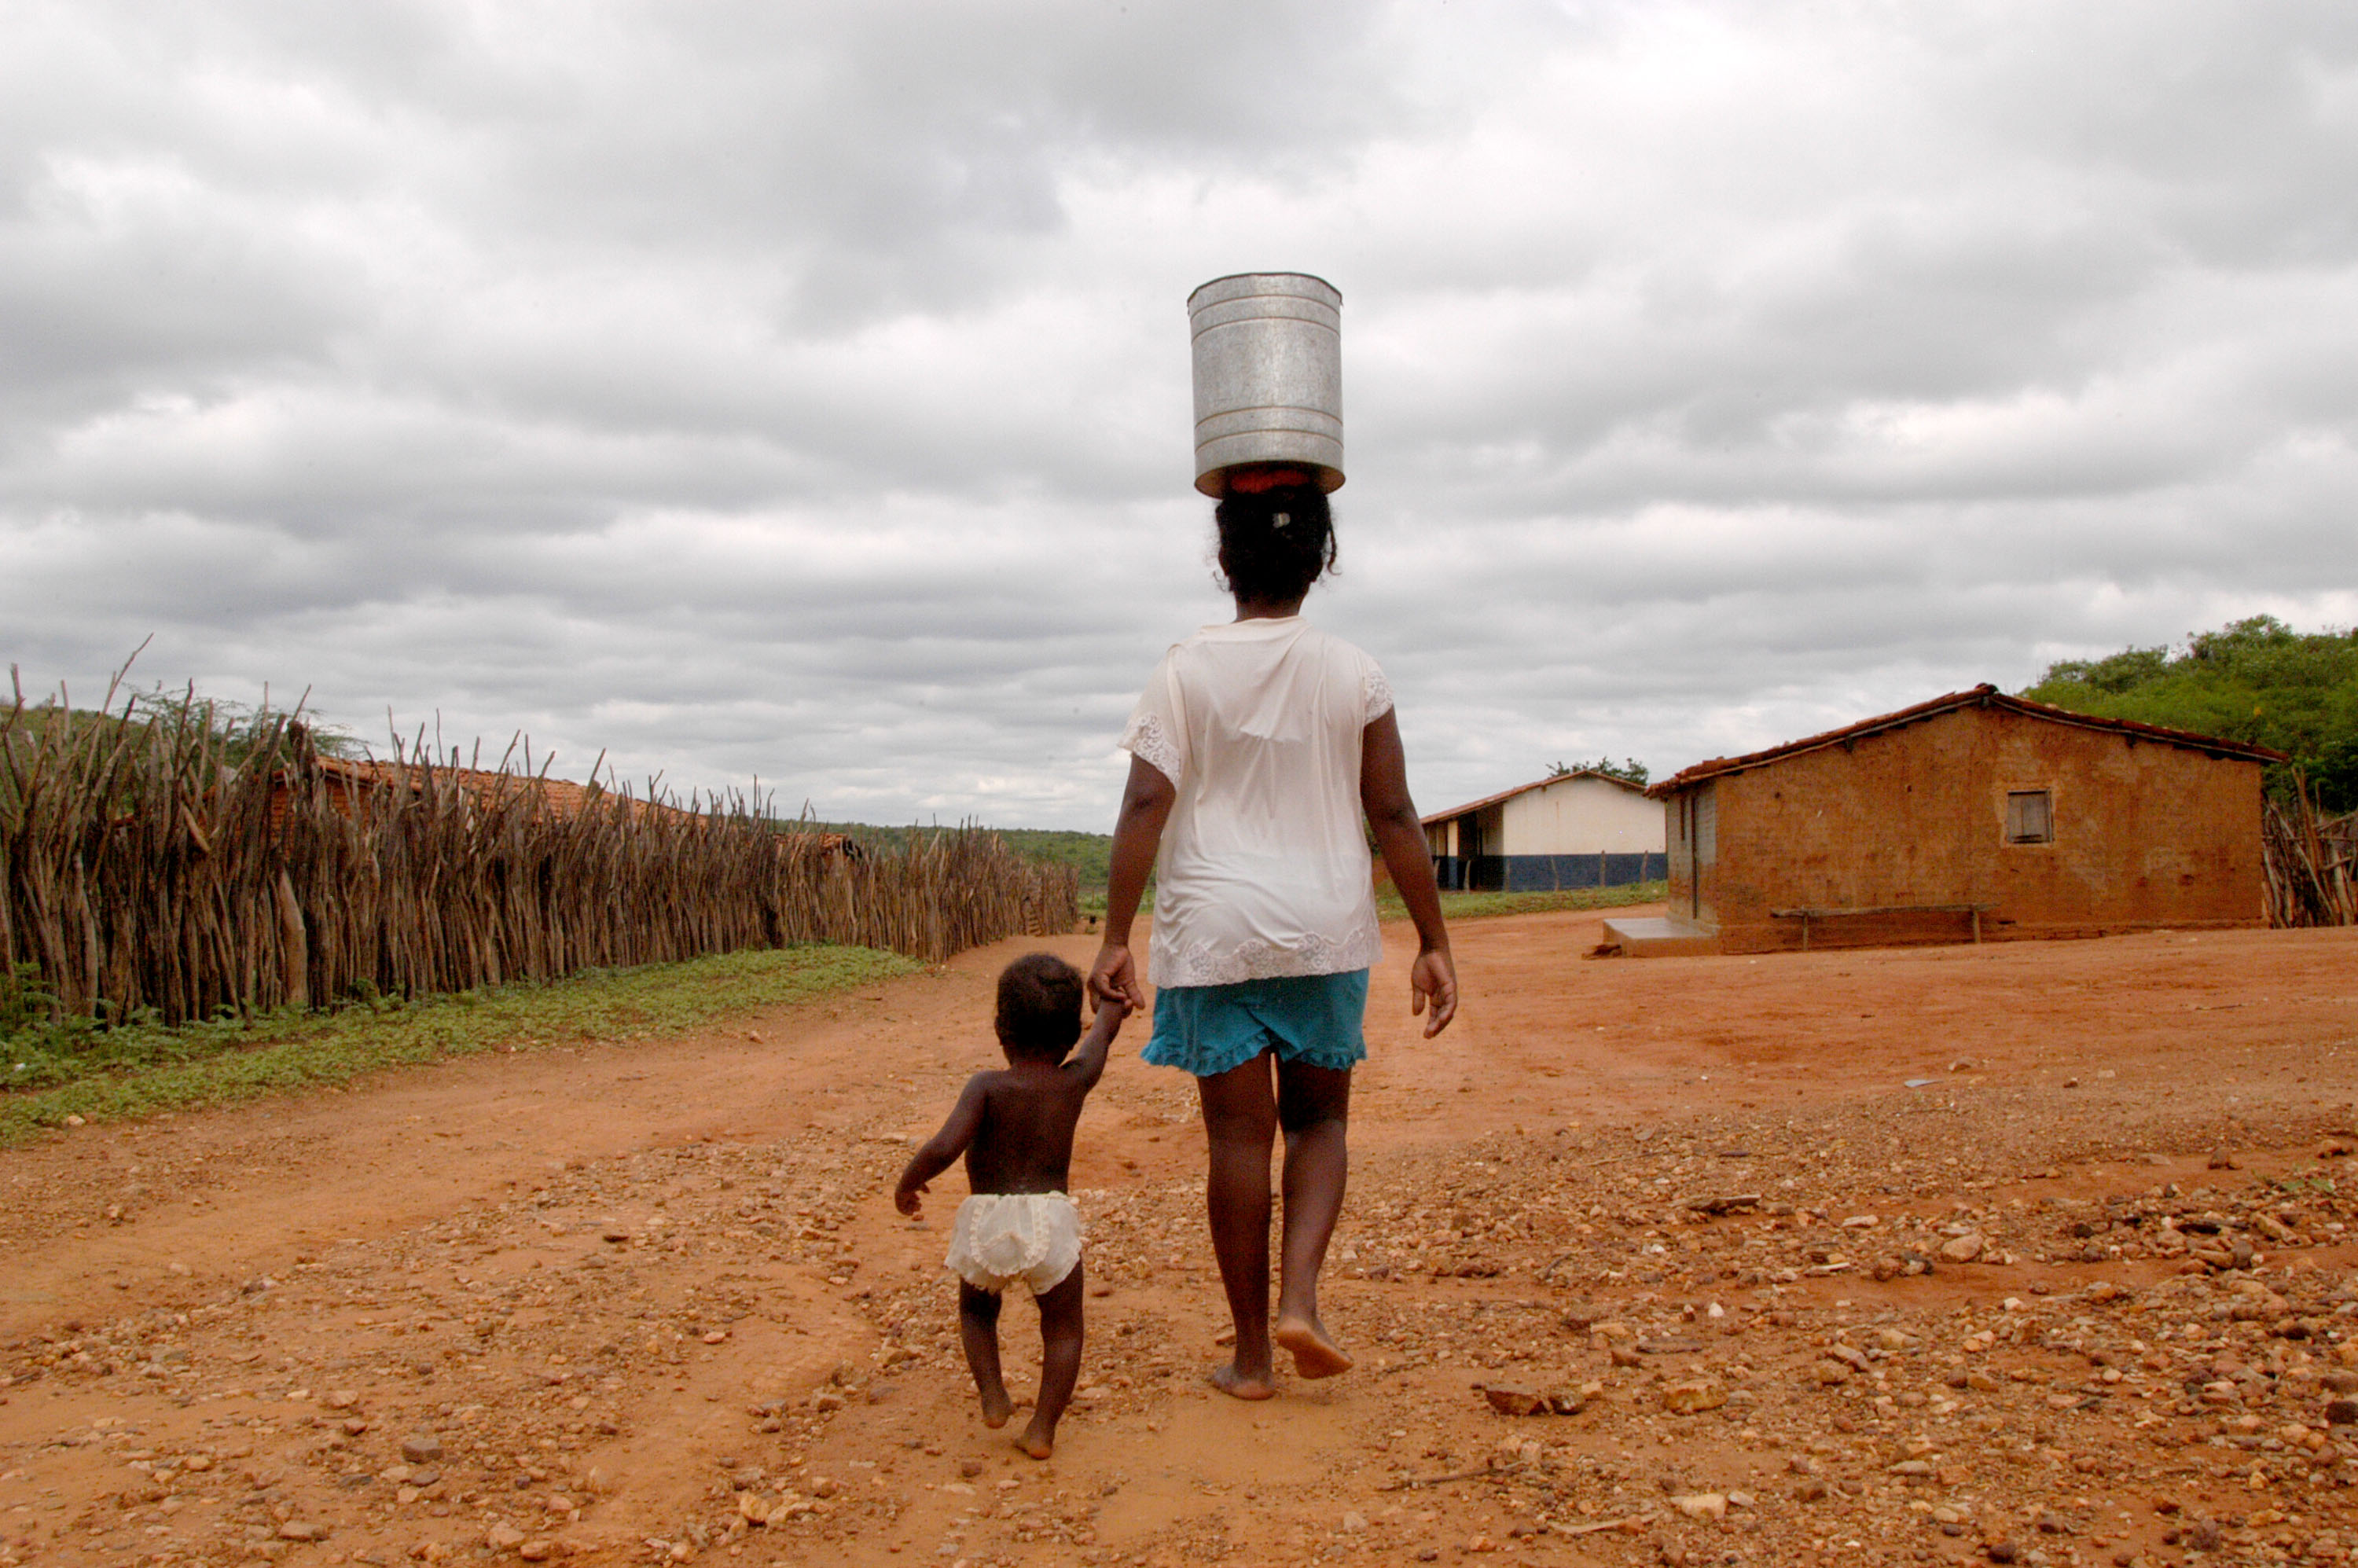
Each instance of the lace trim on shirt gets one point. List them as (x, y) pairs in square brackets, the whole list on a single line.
[(1375, 696), (1206, 964), (1146, 740)]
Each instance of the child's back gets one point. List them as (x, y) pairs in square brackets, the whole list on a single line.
[(1023, 1141), (1015, 1128)]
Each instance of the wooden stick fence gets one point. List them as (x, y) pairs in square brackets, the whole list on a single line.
[(145, 869), (2312, 863)]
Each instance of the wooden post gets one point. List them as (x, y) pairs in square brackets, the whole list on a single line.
[(296, 941)]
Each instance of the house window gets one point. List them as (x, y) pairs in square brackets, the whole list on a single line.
[(2030, 816)]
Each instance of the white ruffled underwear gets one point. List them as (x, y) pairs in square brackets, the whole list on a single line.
[(1001, 1239)]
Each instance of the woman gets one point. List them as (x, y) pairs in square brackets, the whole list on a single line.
[(1254, 753)]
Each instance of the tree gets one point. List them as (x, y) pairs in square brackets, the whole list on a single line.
[(2256, 679), (1631, 768), (239, 728)]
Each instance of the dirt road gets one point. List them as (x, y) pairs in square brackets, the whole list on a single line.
[(2026, 1252)]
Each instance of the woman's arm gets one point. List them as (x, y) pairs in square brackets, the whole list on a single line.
[(1137, 833), (1400, 838)]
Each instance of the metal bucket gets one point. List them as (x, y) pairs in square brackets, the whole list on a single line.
[(1268, 375)]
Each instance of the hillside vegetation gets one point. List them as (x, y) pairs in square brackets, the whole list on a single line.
[(1088, 854), (2256, 680)]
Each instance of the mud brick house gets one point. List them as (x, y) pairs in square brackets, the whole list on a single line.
[(1582, 830), (1974, 816)]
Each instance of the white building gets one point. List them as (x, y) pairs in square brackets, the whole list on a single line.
[(1575, 830)]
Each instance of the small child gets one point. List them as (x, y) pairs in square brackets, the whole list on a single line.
[(1016, 1128)]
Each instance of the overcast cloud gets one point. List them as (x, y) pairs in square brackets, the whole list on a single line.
[(800, 391)]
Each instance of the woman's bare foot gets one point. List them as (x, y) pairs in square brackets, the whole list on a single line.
[(1239, 1385), (1037, 1443), (1314, 1354), (996, 1407)]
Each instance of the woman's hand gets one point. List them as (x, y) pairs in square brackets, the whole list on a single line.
[(1434, 978), (1114, 977)]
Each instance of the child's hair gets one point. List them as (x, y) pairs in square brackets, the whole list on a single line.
[(1040, 1005), (1275, 544)]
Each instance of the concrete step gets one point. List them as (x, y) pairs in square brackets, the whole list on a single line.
[(1658, 937)]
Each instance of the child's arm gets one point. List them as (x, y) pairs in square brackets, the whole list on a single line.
[(1090, 1060), (937, 1152)]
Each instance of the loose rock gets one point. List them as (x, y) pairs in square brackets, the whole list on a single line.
[(1692, 1398)]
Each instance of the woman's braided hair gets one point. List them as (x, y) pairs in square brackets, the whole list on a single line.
[(1276, 543)]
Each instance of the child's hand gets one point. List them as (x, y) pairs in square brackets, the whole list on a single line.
[(905, 1199)]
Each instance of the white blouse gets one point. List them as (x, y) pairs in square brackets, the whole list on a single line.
[(1263, 869)]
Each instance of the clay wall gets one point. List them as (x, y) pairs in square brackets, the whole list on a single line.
[(2144, 835)]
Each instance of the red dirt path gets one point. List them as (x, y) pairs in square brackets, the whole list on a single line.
[(638, 1296)]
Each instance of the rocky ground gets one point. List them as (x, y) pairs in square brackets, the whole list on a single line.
[(2031, 1253)]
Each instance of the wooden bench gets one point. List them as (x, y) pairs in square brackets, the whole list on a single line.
[(1807, 915)]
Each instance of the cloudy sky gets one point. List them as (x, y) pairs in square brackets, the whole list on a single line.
[(801, 391)]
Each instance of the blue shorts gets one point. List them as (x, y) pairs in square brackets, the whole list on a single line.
[(1209, 1029)]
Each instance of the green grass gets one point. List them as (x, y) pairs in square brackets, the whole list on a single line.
[(1482, 905), (141, 1068)]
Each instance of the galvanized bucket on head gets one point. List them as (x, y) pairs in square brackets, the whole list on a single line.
[(1268, 375)]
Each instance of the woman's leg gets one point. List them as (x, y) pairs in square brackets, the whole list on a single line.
[(1240, 1129), (1314, 1106)]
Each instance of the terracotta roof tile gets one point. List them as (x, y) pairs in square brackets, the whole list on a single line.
[(1982, 695)]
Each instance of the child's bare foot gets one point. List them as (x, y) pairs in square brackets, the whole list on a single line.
[(1038, 1443), (996, 1407), (1314, 1354), (1241, 1385)]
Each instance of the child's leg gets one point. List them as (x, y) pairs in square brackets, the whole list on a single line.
[(1060, 1362), (1240, 1128), (1313, 1106), (978, 1332)]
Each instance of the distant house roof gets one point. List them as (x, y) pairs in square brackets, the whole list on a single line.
[(1982, 695), (562, 797), (1507, 795)]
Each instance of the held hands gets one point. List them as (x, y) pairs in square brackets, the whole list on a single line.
[(1434, 978), (1114, 977)]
